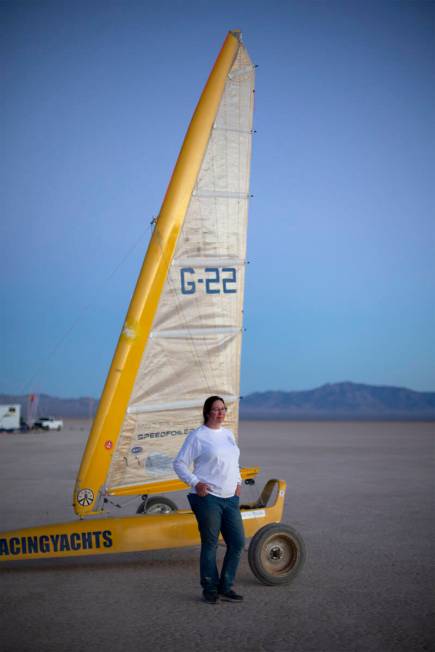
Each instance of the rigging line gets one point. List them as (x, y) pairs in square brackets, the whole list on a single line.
[(81, 312)]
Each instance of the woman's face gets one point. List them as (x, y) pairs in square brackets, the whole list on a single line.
[(217, 414)]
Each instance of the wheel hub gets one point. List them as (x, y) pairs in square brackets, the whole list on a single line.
[(159, 509), (279, 555), (276, 553)]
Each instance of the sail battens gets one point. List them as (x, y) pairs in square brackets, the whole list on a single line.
[(237, 72), (233, 129), (195, 332), (209, 262), (224, 194), (174, 405)]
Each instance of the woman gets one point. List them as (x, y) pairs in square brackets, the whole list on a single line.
[(214, 454)]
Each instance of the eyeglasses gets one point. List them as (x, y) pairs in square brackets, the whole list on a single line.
[(224, 409)]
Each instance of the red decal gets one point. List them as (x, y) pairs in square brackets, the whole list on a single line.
[(108, 445)]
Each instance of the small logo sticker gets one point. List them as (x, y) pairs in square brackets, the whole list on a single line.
[(108, 444), (253, 513), (85, 497), (136, 450)]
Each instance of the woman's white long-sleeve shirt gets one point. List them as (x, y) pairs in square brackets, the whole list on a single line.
[(214, 456)]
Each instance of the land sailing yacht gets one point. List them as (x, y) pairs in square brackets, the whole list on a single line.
[(180, 342)]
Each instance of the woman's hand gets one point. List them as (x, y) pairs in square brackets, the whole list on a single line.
[(238, 489), (202, 489)]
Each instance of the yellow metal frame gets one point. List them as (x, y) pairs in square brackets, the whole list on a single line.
[(114, 400), (169, 485), (98, 536), (155, 531)]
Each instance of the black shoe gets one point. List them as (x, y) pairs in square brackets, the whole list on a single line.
[(211, 597), (230, 596)]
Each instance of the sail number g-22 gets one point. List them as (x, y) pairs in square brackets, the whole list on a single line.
[(214, 280)]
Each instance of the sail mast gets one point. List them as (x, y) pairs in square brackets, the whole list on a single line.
[(114, 400)]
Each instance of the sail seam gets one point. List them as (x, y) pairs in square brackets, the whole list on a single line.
[(195, 332), (240, 71), (205, 262), (220, 193), (234, 130), (175, 405)]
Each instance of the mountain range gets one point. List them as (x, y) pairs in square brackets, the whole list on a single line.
[(337, 401), (341, 401)]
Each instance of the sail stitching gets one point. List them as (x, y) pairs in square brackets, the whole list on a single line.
[(208, 262), (240, 71), (174, 405), (224, 194), (195, 332), (234, 130)]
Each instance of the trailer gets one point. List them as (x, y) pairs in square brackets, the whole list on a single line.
[(10, 417)]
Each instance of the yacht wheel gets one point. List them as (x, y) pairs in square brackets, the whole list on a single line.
[(276, 554), (157, 505)]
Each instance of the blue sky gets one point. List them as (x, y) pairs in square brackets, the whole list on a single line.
[(96, 98)]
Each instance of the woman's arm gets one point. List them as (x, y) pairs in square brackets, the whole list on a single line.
[(239, 481), (185, 458)]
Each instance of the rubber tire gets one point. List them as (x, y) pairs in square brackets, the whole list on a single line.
[(277, 539), (157, 505)]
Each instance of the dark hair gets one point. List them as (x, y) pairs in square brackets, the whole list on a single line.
[(208, 405)]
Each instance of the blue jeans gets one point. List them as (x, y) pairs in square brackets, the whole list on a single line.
[(216, 515)]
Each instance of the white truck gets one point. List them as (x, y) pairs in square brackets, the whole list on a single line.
[(10, 417), (48, 423)]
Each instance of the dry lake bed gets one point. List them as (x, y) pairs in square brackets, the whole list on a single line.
[(362, 496)]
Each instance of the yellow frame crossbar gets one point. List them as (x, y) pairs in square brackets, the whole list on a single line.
[(165, 487), (98, 536), (120, 380)]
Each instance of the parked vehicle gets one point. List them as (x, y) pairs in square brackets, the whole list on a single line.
[(10, 417), (48, 423)]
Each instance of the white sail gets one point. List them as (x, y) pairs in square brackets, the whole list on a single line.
[(194, 348)]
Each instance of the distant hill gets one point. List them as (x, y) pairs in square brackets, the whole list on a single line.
[(339, 401)]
